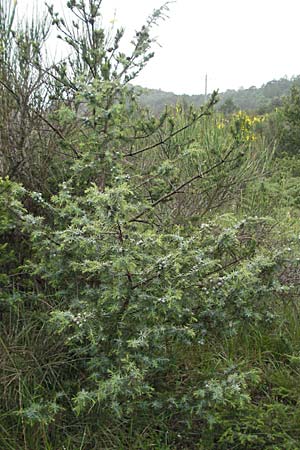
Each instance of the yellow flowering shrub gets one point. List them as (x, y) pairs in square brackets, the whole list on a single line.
[(243, 126)]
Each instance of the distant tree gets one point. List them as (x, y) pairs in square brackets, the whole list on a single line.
[(289, 125), (228, 107)]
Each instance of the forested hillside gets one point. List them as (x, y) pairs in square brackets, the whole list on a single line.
[(255, 99), (149, 265)]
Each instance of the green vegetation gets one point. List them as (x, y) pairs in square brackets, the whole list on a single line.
[(259, 100), (149, 264)]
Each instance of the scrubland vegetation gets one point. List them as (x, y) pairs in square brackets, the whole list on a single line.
[(258, 100), (149, 265)]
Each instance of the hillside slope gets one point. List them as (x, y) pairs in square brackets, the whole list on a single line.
[(261, 100)]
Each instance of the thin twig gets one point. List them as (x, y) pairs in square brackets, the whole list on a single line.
[(186, 183), (207, 112)]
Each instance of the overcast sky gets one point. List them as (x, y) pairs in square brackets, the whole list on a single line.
[(236, 42)]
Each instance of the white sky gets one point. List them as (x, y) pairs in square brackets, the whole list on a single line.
[(236, 42)]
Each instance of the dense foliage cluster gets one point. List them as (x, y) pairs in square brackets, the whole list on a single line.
[(148, 268)]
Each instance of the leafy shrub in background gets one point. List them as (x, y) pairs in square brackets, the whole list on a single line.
[(289, 129), (11, 210)]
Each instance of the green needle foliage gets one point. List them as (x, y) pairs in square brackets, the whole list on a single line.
[(139, 308)]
